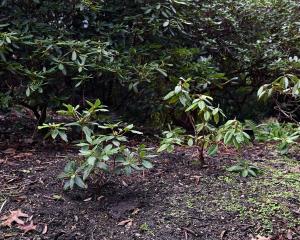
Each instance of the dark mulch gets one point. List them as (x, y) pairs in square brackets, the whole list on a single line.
[(174, 200)]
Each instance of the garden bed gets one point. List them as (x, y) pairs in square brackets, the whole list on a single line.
[(174, 200)]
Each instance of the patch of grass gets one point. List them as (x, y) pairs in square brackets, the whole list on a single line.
[(190, 204), (267, 200), (227, 179), (145, 228)]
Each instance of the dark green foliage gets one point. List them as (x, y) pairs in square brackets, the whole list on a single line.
[(99, 151), (131, 53), (203, 118)]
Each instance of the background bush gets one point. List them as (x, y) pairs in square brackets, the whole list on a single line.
[(131, 53)]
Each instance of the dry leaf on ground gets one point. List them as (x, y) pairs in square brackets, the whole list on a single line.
[(127, 223), (9, 151), (14, 217), (258, 237), (23, 155), (124, 222), (289, 234), (45, 229), (28, 228)]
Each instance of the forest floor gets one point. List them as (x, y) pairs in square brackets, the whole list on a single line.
[(174, 200)]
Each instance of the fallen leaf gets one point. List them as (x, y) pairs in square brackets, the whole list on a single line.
[(222, 234), (9, 151), (14, 217), (124, 222), (124, 183), (289, 235), (258, 237), (45, 229), (127, 223), (57, 197), (187, 230), (23, 155), (99, 198), (28, 228), (136, 211)]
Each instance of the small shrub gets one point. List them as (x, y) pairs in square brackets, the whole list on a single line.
[(106, 152), (245, 169), (202, 116), (286, 135)]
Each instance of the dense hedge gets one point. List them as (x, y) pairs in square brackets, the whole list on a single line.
[(131, 53)]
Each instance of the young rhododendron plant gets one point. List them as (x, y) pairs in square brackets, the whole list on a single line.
[(203, 117), (102, 147), (286, 135)]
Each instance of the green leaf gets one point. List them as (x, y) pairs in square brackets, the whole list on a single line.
[(72, 182), (54, 133), (129, 127), (88, 132), (7, 39), (28, 92), (128, 170), (63, 136), (91, 160), (190, 142), (166, 23), (207, 116), (228, 136), (235, 168), (87, 171), (213, 149), (74, 55), (245, 173), (162, 148), (216, 118), (252, 173), (103, 166), (79, 182), (183, 100), (201, 105), (162, 72), (61, 67), (70, 167), (147, 164), (169, 95), (67, 185), (260, 91), (177, 89), (116, 143)]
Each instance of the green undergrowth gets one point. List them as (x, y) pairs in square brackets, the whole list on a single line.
[(269, 201)]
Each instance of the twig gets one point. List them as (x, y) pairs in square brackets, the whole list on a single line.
[(2, 205), (189, 231), (92, 234), (286, 113), (185, 235)]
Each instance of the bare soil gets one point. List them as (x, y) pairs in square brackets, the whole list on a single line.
[(174, 200)]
